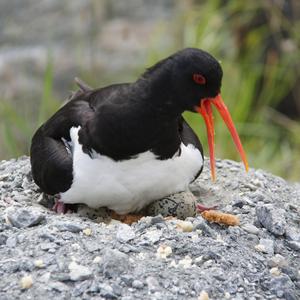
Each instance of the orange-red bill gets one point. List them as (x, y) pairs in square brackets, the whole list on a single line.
[(206, 111)]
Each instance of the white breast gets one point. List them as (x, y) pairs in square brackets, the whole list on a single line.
[(128, 186)]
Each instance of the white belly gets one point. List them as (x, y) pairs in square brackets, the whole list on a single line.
[(128, 186)]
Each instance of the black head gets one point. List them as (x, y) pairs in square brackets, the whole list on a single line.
[(187, 77), (191, 80)]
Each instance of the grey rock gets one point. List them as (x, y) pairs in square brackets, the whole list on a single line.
[(69, 226), (114, 263), (272, 218), (124, 233), (58, 286), (11, 242), (294, 245), (200, 224), (292, 234), (3, 239), (107, 292), (79, 272), (22, 218), (137, 284), (268, 245), (277, 261), (152, 283), (250, 228)]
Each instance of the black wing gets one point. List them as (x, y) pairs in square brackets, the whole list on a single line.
[(51, 161)]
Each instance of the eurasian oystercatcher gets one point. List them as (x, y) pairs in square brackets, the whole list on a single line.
[(126, 145)]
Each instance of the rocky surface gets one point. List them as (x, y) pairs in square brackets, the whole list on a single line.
[(44, 255)]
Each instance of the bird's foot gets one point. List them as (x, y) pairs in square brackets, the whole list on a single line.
[(201, 208), (127, 219), (60, 207)]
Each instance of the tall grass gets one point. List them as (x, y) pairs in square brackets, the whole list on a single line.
[(17, 127)]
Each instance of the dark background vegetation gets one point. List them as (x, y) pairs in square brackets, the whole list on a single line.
[(45, 44)]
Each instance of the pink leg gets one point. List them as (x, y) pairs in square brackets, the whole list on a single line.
[(201, 208), (60, 207)]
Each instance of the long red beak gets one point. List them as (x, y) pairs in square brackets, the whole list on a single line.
[(206, 111)]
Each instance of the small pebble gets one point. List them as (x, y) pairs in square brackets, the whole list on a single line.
[(163, 251), (87, 231), (68, 226), (22, 218), (125, 233), (184, 226), (203, 296), (97, 260), (137, 284), (275, 271), (39, 263), (26, 282), (186, 262), (265, 246), (79, 272), (272, 218), (294, 245), (277, 261), (250, 228)]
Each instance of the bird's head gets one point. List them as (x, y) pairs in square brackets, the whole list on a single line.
[(193, 78)]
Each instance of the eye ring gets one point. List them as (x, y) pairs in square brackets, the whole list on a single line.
[(199, 79)]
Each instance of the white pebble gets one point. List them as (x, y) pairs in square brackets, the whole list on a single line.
[(39, 263), (203, 296), (87, 231), (26, 282), (97, 260), (275, 271), (260, 248), (163, 251), (185, 262), (184, 226)]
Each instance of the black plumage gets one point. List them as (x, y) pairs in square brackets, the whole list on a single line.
[(122, 120)]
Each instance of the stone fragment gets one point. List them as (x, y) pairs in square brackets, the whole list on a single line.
[(107, 292), (3, 239), (137, 284), (87, 231), (163, 251), (97, 260), (275, 271), (184, 226), (277, 261), (125, 233), (24, 217), (186, 262), (265, 246), (79, 272), (39, 263), (68, 226), (114, 263), (250, 228), (153, 284), (26, 282), (294, 245), (273, 219), (203, 296)]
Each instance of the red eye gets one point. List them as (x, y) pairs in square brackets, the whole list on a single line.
[(198, 78)]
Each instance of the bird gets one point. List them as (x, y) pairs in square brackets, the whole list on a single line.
[(126, 145)]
